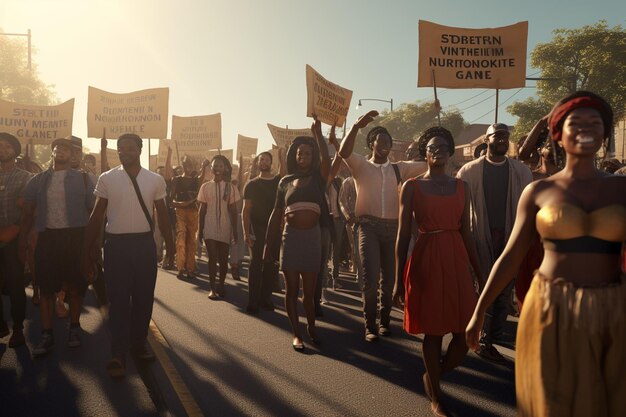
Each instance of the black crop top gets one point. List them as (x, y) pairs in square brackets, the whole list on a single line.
[(289, 194)]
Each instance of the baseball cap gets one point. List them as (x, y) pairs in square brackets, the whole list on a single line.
[(497, 127)]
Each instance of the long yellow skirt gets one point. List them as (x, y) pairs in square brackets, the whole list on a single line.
[(571, 350)]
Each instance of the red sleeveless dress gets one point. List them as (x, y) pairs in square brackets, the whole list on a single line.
[(439, 289)]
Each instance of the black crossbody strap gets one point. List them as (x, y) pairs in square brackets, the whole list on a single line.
[(396, 171), (141, 202)]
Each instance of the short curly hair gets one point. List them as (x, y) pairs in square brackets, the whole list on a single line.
[(432, 132), (371, 135)]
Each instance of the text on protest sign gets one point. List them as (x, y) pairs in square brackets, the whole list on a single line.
[(195, 135), (144, 113), (472, 58), (327, 101), (42, 124), (283, 136), (246, 146)]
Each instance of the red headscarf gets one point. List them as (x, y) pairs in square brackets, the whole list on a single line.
[(558, 114)]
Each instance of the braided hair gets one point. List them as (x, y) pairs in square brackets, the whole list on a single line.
[(228, 172), (432, 132)]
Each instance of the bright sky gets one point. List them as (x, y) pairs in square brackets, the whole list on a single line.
[(246, 59)]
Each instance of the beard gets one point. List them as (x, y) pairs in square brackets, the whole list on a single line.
[(498, 149)]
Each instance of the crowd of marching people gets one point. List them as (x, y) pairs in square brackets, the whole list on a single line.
[(450, 247)]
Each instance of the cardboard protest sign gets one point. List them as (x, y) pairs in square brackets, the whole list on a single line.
[(329, 102), (113, 160), (162, 154), (246, 146), (196, 134), (228, 153), (284, 136), (152, 162), (144, 113), (37, 124), (472, 58)]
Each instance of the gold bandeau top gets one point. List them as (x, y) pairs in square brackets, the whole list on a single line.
[(567, 221)]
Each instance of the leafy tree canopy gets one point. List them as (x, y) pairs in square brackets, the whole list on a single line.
[(588, 58), (17, 82)]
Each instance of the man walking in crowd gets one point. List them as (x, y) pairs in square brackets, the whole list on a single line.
[(126, 195), (62, 198), (377, 182), (347, 203), (496, 183), (12, 185), (184, 192), (259, 196)]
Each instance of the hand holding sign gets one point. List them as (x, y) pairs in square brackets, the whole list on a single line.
[(316, 128), (332, 138)]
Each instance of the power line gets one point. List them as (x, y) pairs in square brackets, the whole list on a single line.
[(500, 105), (474, 96), (481, 101)]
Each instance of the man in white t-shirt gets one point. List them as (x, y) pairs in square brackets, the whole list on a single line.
[(377, 182), (130, 264)]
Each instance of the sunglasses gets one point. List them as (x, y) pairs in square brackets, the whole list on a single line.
[(435, 148)]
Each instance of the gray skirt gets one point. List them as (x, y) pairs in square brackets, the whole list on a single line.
[(301, 249)]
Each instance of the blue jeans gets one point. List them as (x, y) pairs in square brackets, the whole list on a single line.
[(495, 317), (130, 269), (377, 247)]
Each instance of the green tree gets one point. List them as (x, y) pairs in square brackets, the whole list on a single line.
[(22, 85), (588, 58), (409, 120), (17, 82)]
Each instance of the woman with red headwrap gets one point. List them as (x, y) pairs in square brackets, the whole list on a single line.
[(571, 335)]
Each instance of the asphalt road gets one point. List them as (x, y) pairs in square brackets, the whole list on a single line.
[(216, 360)]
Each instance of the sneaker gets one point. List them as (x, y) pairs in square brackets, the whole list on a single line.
[(142, 353), (45, 346), (384, 331), (73, 339), (180, 275), (490, 353), (371, 336), (17, 338), (4, 329)]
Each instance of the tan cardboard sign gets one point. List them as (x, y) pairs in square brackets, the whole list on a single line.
[(472, 58), (329, 102), (162, 154), (143, 112), (228, 153), (284, 136), (196, 134), (246, 146), (41, 124)]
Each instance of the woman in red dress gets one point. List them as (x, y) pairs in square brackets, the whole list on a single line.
[(436, 286)]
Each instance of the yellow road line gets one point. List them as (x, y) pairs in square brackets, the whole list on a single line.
[(158, 343)]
